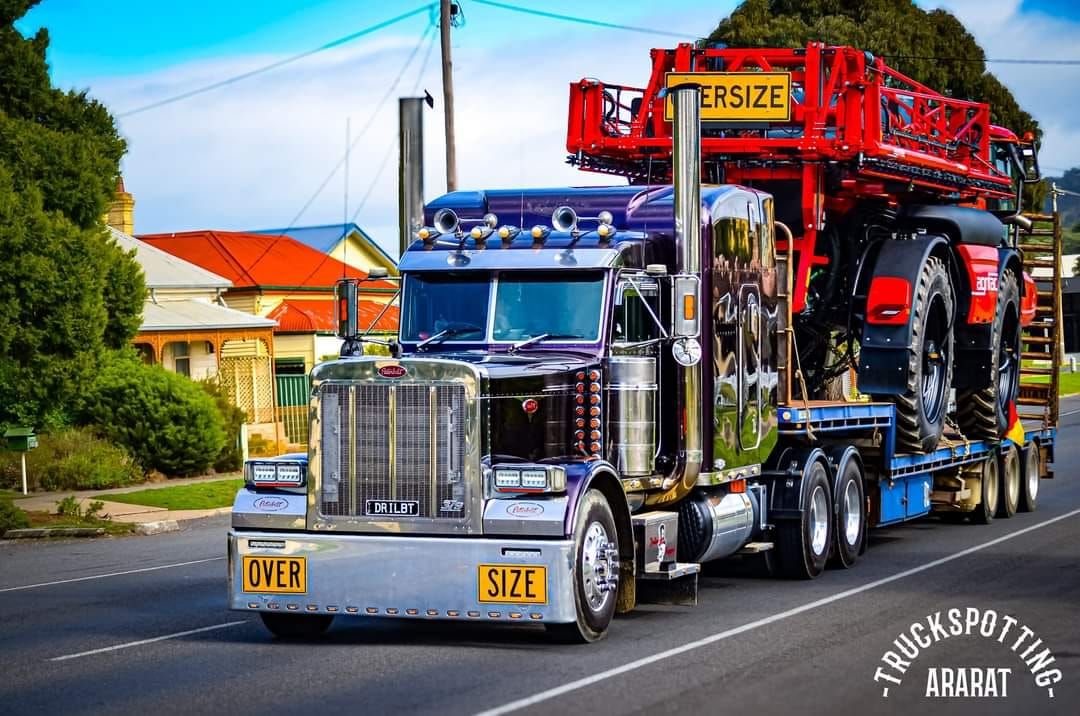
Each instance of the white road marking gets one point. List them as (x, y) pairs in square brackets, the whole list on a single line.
[(110, 574), (712, 639), (1071, 412), (130, 644)]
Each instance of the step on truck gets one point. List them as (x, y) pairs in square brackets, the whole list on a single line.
[(594, 391)]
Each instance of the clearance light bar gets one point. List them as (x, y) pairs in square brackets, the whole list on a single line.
[(529, 478)]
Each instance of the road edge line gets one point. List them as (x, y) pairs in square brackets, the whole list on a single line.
[(110, 574), (151, 640)]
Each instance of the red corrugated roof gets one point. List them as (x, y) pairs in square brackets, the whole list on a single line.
[(319, 316), (258, 260)]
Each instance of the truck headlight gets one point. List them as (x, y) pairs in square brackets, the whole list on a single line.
[(531, 478), (271, 473)]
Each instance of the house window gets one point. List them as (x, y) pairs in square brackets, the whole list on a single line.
[(181, 359)]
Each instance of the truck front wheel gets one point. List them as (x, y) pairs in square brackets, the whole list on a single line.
[(596, 571), (296, 626)]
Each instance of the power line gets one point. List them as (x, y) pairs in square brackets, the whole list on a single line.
[(274, 65), (391, 146), (996, 60), (367, 125), (585, 20)]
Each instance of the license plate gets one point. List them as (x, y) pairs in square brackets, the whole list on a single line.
[(275, 575), (392, 508), (512, 584)]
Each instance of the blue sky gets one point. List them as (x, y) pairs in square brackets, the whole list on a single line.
[(252, 154)]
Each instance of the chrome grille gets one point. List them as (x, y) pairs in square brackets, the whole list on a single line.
[(402, 441)]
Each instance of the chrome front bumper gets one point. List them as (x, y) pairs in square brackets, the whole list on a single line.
[(403, 577)]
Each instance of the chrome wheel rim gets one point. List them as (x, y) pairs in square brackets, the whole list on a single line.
[(819, 520), (1033, 472), (1012, 477), (990, 486), (852, 513), (599, 574)]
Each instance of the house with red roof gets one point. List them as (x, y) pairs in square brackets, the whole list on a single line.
[(291, 283)]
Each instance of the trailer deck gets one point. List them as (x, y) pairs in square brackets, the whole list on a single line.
[(906, 480)]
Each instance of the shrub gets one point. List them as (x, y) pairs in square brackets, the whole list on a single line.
[(165, 420), (72, 459), (231, 457), (11, 517)]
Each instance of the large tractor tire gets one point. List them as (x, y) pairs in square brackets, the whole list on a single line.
[(983, 414), (920, 410)]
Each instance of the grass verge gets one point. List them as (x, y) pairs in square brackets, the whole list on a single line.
[(51, 520), (1068, 383), (196, 496)]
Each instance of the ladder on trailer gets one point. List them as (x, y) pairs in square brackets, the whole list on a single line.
[(1040, 350)]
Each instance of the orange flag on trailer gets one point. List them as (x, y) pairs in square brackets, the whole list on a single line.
[(1016, 428)]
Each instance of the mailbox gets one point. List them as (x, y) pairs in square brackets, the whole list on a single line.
[(20, 439)]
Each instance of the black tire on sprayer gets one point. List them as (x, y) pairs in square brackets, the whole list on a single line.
[(921, 408), (983, 414)]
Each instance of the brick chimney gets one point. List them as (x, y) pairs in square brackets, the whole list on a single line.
[(121, 214)]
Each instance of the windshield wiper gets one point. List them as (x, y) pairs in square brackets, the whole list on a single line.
[(538, 339), (449, 332)]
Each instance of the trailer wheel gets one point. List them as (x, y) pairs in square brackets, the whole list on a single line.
[(983, 414), (1009, 471), (1029, 488), (803, 544), (296, 626), (920, 410), (596, 572), (849, 529), (988, 502)]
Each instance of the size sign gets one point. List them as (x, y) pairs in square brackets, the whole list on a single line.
[(737, 96)]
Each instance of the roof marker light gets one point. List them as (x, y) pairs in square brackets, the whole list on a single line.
[(540, 232)]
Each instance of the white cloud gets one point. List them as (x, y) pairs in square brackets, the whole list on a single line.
[(251, 154)]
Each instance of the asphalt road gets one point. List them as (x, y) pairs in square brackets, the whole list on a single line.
[(140, 625)]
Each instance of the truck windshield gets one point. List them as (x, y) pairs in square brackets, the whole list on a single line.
[(565, 306), (454, 306), (452, 302)]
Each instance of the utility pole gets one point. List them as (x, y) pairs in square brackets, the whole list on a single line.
[(446, 9)]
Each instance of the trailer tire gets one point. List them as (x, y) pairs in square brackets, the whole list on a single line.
[(1009, 472), (596, 572), (983, 414), (921, 408), (849, 528), (296, 626), (983, 514), (1029, 488), (803, 544)]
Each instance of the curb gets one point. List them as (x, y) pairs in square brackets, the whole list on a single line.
[(156, 528), (45, 532)]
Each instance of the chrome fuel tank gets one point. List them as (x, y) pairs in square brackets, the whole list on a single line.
[(630, 387)]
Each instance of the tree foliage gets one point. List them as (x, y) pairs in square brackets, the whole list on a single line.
[(930, 46), (167, 422), (67, 291)]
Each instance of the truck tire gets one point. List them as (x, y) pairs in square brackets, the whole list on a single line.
[(1029, 488), (1009, 472), (920, 410), (803, 544), (983, 513), (596, 572), (296, 626), (849, 529), (983, 414)]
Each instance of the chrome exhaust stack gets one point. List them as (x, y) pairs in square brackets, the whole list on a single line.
[(410, 170), (686, 176)]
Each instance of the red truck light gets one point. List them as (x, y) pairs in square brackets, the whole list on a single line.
[(889, 302)]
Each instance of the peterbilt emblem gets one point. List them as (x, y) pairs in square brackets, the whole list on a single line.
[(525, 510), (270, 504), (392, 371)]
